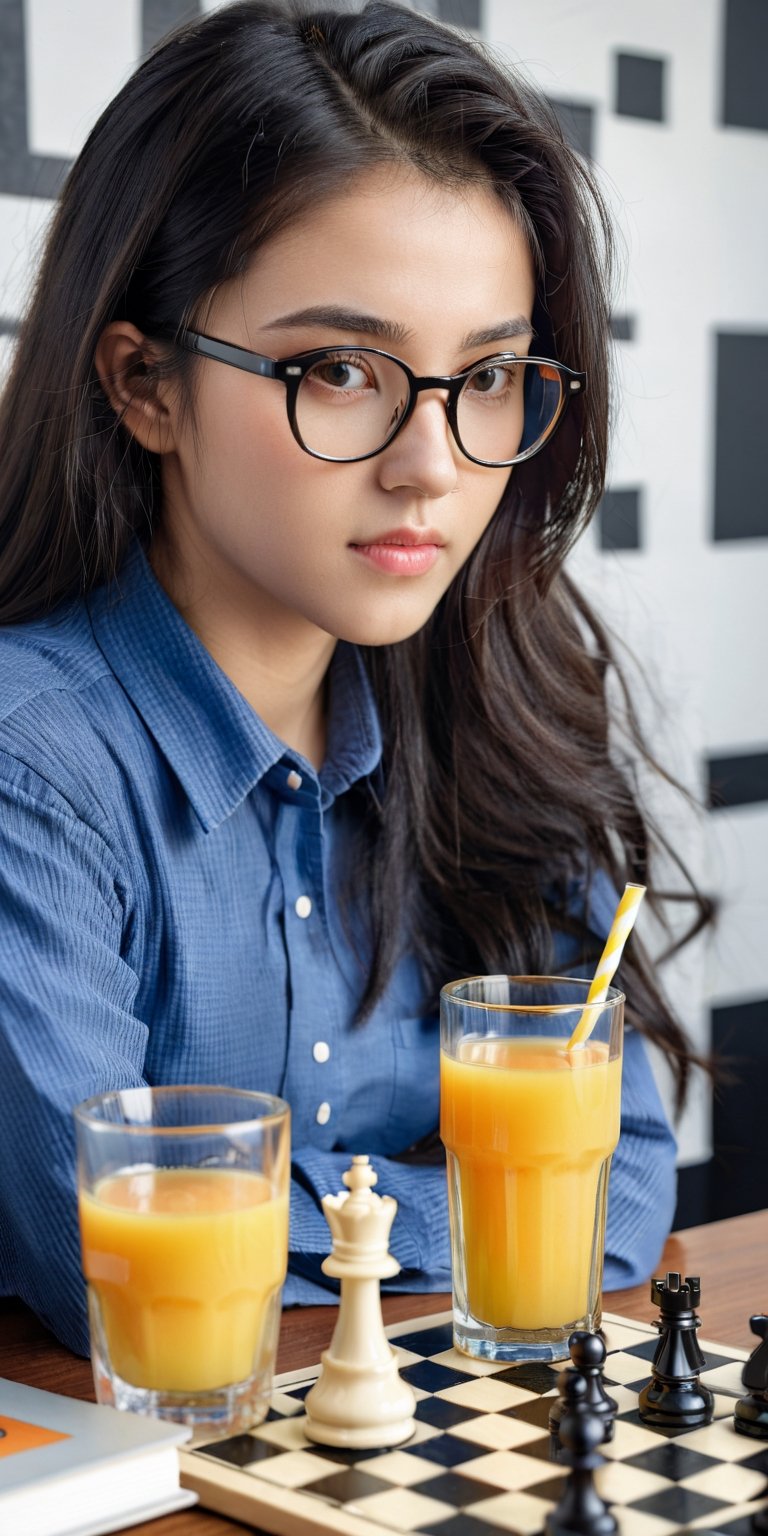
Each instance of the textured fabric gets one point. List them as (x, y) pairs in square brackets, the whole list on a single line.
[(155, 860)]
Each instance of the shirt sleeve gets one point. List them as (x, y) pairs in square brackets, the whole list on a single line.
[(420, 1240), (67, 1031), (642, 1189)]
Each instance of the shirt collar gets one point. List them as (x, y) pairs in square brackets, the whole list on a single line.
[(216, 744)]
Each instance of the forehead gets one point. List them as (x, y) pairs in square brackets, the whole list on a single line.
[(399, 245)]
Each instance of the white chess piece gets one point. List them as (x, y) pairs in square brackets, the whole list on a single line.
[(359, 1399)]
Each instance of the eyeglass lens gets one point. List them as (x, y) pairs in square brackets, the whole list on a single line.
[(349, 403)]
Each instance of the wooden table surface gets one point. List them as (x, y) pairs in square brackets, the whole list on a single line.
[(730, 1256)]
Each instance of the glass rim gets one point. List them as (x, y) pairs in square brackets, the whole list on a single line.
[(292, 369), (611, 1000), (459, 403), (85, 1115)]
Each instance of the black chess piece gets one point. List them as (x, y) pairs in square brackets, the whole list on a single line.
[(580, 1511), (674, 1397), (588, 1355), (572, 1389), (750, 1416)]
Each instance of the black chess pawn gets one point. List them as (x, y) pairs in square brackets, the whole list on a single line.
[(674, 1397), (588, 1355), (572, 1398), (750, 1416), (581, 1511)]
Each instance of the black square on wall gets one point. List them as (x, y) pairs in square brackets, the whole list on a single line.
[(739, 1171), (576, 120), (623, 327), (618, 520), (745, 50), (460, 13), (740, 779), (741, 439), (640, 87), (159, 17)]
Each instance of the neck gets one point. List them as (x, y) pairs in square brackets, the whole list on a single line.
[(276, 660)]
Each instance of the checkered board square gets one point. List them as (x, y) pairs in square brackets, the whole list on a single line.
[(481, 1460)]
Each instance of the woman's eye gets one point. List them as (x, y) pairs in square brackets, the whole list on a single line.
[(341, 373), (491, 381)]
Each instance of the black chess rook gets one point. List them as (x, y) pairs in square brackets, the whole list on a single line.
[(750, 1416), (675, 1397)]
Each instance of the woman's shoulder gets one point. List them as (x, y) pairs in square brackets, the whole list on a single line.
[(61, 711), (51, 656)]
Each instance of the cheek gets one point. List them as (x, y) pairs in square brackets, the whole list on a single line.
[(480, 506), (244, 420), (250, 459)]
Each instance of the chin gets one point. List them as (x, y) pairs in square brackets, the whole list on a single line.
[(367, 632)]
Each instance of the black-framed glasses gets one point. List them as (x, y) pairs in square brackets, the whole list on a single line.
[(348, 403)]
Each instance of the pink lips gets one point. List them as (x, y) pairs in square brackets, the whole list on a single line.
[(404, 551)]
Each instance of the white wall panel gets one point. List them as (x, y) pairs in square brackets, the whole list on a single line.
[(79, 53)]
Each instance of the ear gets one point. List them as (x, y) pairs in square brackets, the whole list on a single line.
[(126, 363)]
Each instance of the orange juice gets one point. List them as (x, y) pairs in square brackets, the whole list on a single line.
[(529, 1129), (184, 1262)]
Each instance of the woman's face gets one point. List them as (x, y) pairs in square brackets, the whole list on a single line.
[(438, 277)]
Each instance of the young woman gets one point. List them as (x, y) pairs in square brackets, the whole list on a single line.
[(299, 714)]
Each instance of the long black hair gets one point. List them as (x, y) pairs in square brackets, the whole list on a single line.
[(501, 795)]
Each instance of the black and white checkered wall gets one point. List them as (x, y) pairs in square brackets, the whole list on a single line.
[(669, 103)]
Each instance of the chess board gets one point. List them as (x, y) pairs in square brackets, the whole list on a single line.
[(481, 1459)]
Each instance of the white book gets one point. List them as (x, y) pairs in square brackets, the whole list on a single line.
[(74, 1469)]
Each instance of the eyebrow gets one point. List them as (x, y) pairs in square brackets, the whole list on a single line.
[(333, 317)]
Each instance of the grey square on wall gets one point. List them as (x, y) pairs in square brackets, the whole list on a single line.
[(741, 439), (623, 327), (640, 86), (159, 17), (577, 121), (461, 13), (618, 520), (745, 52), (740, 1164), (738, 779)]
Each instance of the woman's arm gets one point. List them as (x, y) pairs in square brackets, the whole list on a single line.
[(419, 1240), (67, 1030), (643, 1185)]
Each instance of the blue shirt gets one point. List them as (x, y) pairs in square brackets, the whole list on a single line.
[(169, 878)]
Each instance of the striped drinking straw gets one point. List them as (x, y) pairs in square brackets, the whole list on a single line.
[(608, 964)]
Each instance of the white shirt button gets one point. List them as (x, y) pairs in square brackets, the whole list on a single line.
[(321, 1050), (294, 780), (303, 906), (323, 1114)]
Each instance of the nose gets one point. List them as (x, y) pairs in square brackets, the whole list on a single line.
[(424, 456)]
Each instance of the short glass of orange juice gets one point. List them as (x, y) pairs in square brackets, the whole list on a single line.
[(183, 1196), (529, 1126)]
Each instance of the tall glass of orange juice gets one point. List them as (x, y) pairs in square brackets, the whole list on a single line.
[(529, 1126), (183, 1197)]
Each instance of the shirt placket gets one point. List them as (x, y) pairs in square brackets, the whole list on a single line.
[(313, 1083)]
